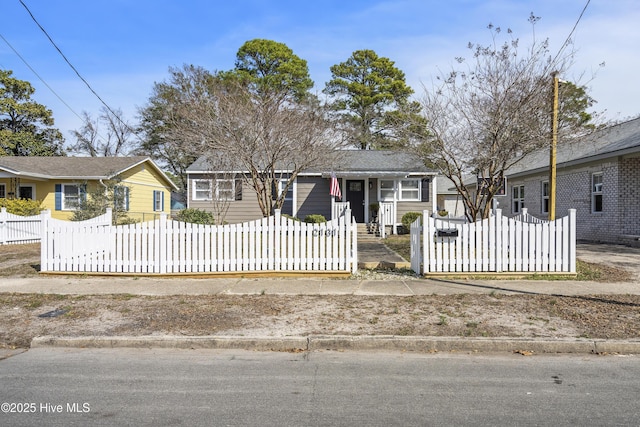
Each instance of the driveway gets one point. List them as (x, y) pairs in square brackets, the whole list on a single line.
[(615, 255)]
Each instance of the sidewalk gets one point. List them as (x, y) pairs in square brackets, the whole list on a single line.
[(387, 285)]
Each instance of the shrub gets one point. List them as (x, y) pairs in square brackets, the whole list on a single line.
[(409, 218), (315, 219), (21, 207), (195, 216)]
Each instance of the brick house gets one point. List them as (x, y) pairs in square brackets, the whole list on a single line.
[(599, 176)]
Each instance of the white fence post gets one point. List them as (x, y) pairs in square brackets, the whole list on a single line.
[(416, 247), (572, 240), (44, 240), (163, 256), (3, 226), (351, 241)]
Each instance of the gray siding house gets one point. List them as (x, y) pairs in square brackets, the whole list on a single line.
[(366, 177), (599, 176)]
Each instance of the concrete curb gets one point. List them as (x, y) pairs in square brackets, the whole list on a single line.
[(346, 343), (181, 342)]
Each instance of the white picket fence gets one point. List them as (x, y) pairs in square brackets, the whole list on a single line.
[(525, 216), (164, 246), (17, 229), (496, 244)]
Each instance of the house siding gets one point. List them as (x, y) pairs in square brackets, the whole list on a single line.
[(404, 207), (620, 214), (238, 211), (142, 181), (313, 197), (629, 196)]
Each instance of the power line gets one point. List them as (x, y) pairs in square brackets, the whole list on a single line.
[(40, 78), (566, 42), (47, 85), (77, 72)]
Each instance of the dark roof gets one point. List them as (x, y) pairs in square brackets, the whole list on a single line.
[(356, 162), (379, 161), (72, 167), (612, 141)]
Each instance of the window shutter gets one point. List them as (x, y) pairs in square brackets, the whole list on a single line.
[(238, 189), (126, 198), (426, 185), (162, 200), (274, 190), (154, 201), (58, 197)]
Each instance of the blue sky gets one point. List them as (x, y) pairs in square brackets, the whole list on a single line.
[(121, 47)]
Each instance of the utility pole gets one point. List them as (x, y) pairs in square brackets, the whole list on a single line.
[(553, 148)]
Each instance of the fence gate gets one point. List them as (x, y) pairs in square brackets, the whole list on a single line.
[(496, 244)]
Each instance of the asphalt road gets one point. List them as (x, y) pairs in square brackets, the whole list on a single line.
[(56, 387)]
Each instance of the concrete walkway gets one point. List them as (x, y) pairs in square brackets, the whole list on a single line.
[(375, 254)]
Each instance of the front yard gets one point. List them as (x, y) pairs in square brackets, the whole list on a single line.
[(472, 315)]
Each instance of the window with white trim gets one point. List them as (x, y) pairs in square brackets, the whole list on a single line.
[(517, 199), (409, 190), (158, 201), (71, 196), (387, 189), (3, 191), (281, 185), (202, 189), (544, 191), (27, 192), (596, 192), (225, 189)]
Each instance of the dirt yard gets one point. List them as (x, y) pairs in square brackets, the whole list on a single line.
[(24, 316)]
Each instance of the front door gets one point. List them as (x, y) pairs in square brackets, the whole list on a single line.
[(355, 195)]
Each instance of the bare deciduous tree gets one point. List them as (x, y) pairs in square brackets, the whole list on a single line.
[(112, 139), (266, 135), (491, 114)]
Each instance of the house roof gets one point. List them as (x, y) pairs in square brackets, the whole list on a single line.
[(613, 141), (356, 162), (446, 186), (379, 161), (73, 168)]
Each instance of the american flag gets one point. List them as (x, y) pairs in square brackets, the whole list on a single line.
[(335, 187)]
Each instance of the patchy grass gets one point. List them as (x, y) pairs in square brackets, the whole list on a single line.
[(19, 260), (399, 243)]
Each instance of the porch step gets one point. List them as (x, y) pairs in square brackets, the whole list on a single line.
[(367, 232)]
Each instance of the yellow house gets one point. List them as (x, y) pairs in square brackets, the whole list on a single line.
[(58, 182)]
